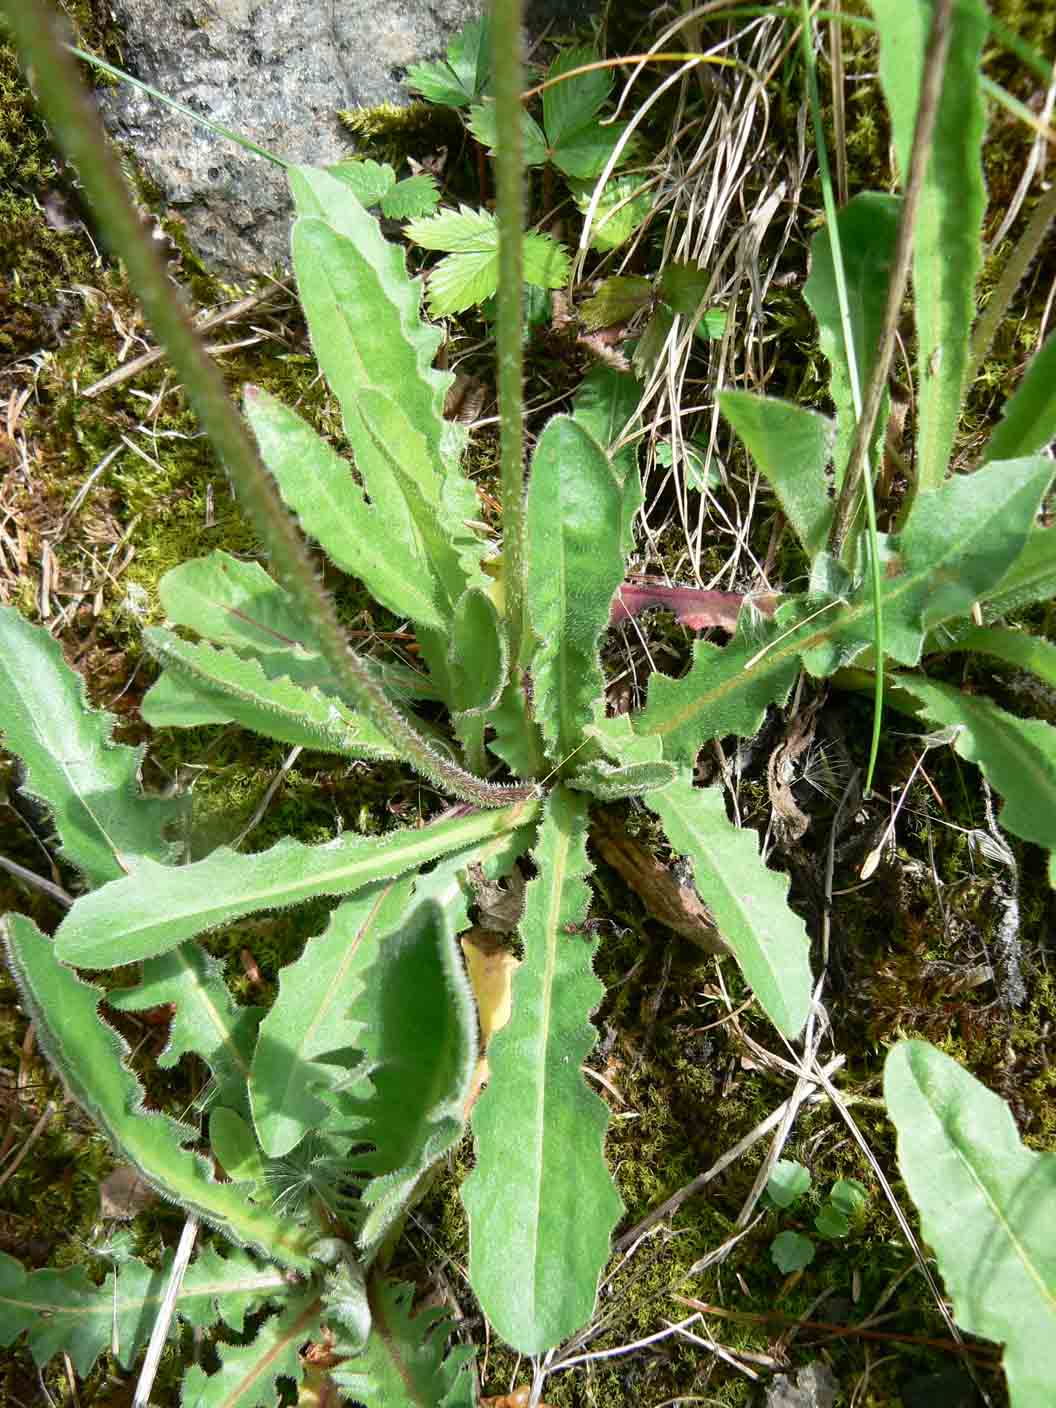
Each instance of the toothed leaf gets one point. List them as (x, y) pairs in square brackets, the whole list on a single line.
[(248, 1374), (89, 783), (156, 909), (748, 900), (541, 1202)]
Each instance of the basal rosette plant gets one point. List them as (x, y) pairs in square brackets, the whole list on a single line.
[(328, 1111)]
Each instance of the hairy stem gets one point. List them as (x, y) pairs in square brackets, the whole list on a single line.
[(73, 119), (509, 210)]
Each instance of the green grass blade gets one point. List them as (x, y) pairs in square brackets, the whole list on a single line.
[(540, 1200), (160, 906), (948, 235), (749, 901), (985, 1204)]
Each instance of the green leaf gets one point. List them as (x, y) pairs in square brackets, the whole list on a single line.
[(749, 902), (616, 301), (61, 1311), (238, 689), (234, 603), (482, 123), (583, 155), (416, 999), (712, 325), (692, 466), (1028, 421), (625, 203), (868, 228), (791, 447), (470, 274), (403, 1363), (683, 287), (464, 76), (365, 540), (248, 1373), (791, 1251), (90, 1056), (90, 783), (206, 1020), (518, 741), (609, 783), (652, 342), (235, 1146), (788, 1182), (1018, 648), (848, 1196), (478, 660), (1031, 577), (575, 564), (157, 908), (832, 1223), (574, 103), (606, 406), (985, 1205), (1017, 756), (412, 197), (947, 253), (540, 1200), (312, 1016), (377, 355), (368, 180)]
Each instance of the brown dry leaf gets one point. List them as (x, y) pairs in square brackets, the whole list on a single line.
[(676, 905), (519, 1398), (498, 905), (123, 1194), (789, 822), (491, 968)]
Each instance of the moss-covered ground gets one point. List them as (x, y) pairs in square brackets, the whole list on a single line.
[(684, 1059)]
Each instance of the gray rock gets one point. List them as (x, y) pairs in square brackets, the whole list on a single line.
[(815, 1387), (277, 71)]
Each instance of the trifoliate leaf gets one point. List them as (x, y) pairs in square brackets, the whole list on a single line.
[(369, 181), (470, 274), (464, 76), (414, 196), (624, 204), (481, 122)]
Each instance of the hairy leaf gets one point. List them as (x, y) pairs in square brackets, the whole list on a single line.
[(791, 447), (749, 901), (234, 603), (90, 1056), (1018, 648), (606, 406), (403, 1363), (483, 124), (575, 565), (1031, 577), (312, 1016), (206, 1020), (867, 227), (416, 999), (90, 783), (947, 252), (479, 657), (61, 1311), (541, 1203), (248, 1373), (1028, 421), (956, 548), (156, 909), (1017, 756), (985, 1204), (240, 690), (376, 352), (365, 540)]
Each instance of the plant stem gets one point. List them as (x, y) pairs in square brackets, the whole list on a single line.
[(509, 211), (76, 125)]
